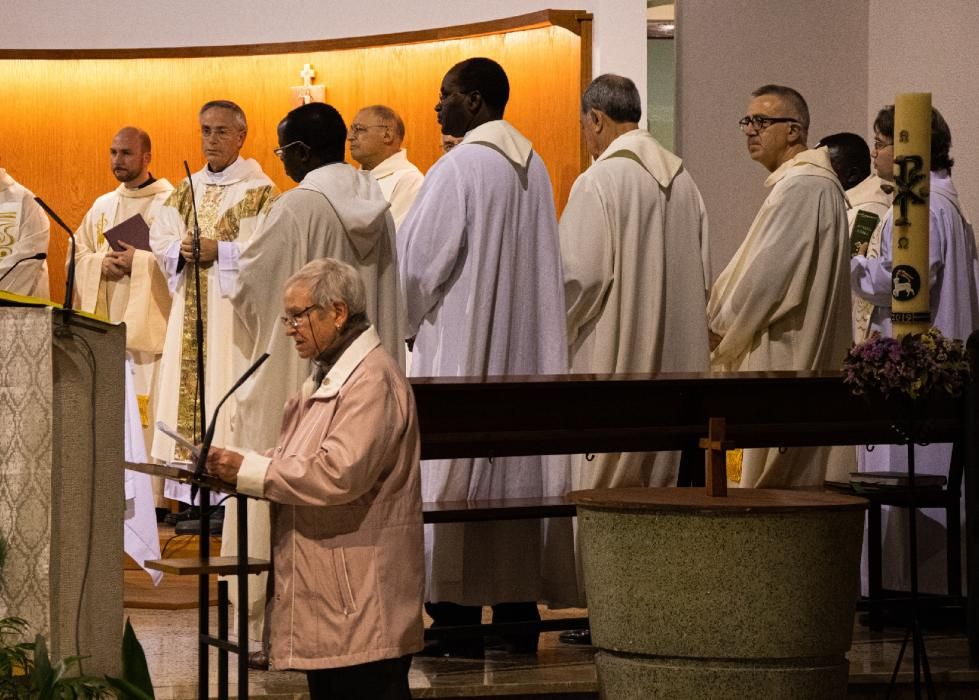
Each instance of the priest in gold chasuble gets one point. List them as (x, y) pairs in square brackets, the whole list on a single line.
[(230, 192)]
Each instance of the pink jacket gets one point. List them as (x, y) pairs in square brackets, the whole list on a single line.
[(347, 548)]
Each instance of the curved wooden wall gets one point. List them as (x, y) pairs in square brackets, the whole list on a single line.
[(60, 113)]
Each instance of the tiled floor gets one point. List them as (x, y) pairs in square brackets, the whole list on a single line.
[(556, 671)]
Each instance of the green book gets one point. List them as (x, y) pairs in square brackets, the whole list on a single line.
[(863, 228)]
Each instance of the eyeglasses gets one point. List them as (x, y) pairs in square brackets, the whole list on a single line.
[(359, 129), (293, 320), (761, 123), (880, 145), (281, 151), (220, 132)]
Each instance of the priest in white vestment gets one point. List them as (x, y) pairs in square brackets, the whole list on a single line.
[(953, 272), (375, 136), (128, 286), (336, 212), (480, 267), (868, 200), (636, 271), (230, 192), (782, 302), (24, 231)]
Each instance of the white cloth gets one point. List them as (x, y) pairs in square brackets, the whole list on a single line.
[(634, 248), (954, 303), (24, 231), (228, 204), (400, 181), (141, 540), (480, 267), (337, 212), (782, 303), (867, 196)]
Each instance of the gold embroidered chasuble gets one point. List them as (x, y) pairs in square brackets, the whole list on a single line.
[(228, 209)]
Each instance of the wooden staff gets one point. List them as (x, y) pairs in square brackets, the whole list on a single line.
[(910, 311)]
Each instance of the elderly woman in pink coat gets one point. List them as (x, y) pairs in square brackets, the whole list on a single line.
[(344, 482)]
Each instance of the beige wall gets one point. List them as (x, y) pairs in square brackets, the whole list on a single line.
[(727, 49), (938, 55)]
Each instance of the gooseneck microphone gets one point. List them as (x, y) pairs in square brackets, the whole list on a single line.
[(209, 437), (36, 256), (70, 283)]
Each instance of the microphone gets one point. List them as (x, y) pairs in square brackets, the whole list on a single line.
[(70, 283), (36, 256), (209, 436)]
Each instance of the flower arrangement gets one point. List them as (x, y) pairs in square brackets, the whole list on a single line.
[(913, 365)]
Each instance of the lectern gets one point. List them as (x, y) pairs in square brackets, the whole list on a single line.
[(61, 477)]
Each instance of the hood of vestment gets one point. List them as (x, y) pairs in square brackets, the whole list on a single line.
[(640, 146), (241, 169), (357, 200), (813, 162), (156, 187), (941, 183), (869, 192), (504, 137), (394, 163), (6, 181)]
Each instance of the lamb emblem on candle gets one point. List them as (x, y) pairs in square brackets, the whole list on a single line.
[(905, 283)]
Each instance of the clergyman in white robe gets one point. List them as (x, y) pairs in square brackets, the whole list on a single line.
[(953, 272), (141, 299), (783, 303), (400, 181), (228, 205), (337, 212), (867, 196), (24, 231), (634, 245), (480, 267)]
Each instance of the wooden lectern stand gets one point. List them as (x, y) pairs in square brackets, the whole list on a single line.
[(204, 566), (62, 479)]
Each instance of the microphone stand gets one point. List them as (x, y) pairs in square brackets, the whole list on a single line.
[(199, 324), (203, 591), (70, 282)]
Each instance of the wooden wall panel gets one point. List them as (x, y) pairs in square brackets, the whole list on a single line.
[(60, 115)]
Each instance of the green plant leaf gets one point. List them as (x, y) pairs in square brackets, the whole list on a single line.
[(134, 668), (128, 690)]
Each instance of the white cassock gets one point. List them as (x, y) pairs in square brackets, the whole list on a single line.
[(867, 197), (336, 212), (141, 299), (953, 271), (400, 181), (783, 303), (481, 271), (228, 205), (141, 540), (636, 273), (24, 231)]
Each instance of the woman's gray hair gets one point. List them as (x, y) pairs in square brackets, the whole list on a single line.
[(329, 280)]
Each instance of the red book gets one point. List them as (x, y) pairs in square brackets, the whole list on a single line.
[(133, 231)]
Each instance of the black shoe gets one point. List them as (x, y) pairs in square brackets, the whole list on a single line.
[(193, 527), (258, 661), (580, 637), (455, 649), (191, 513)]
